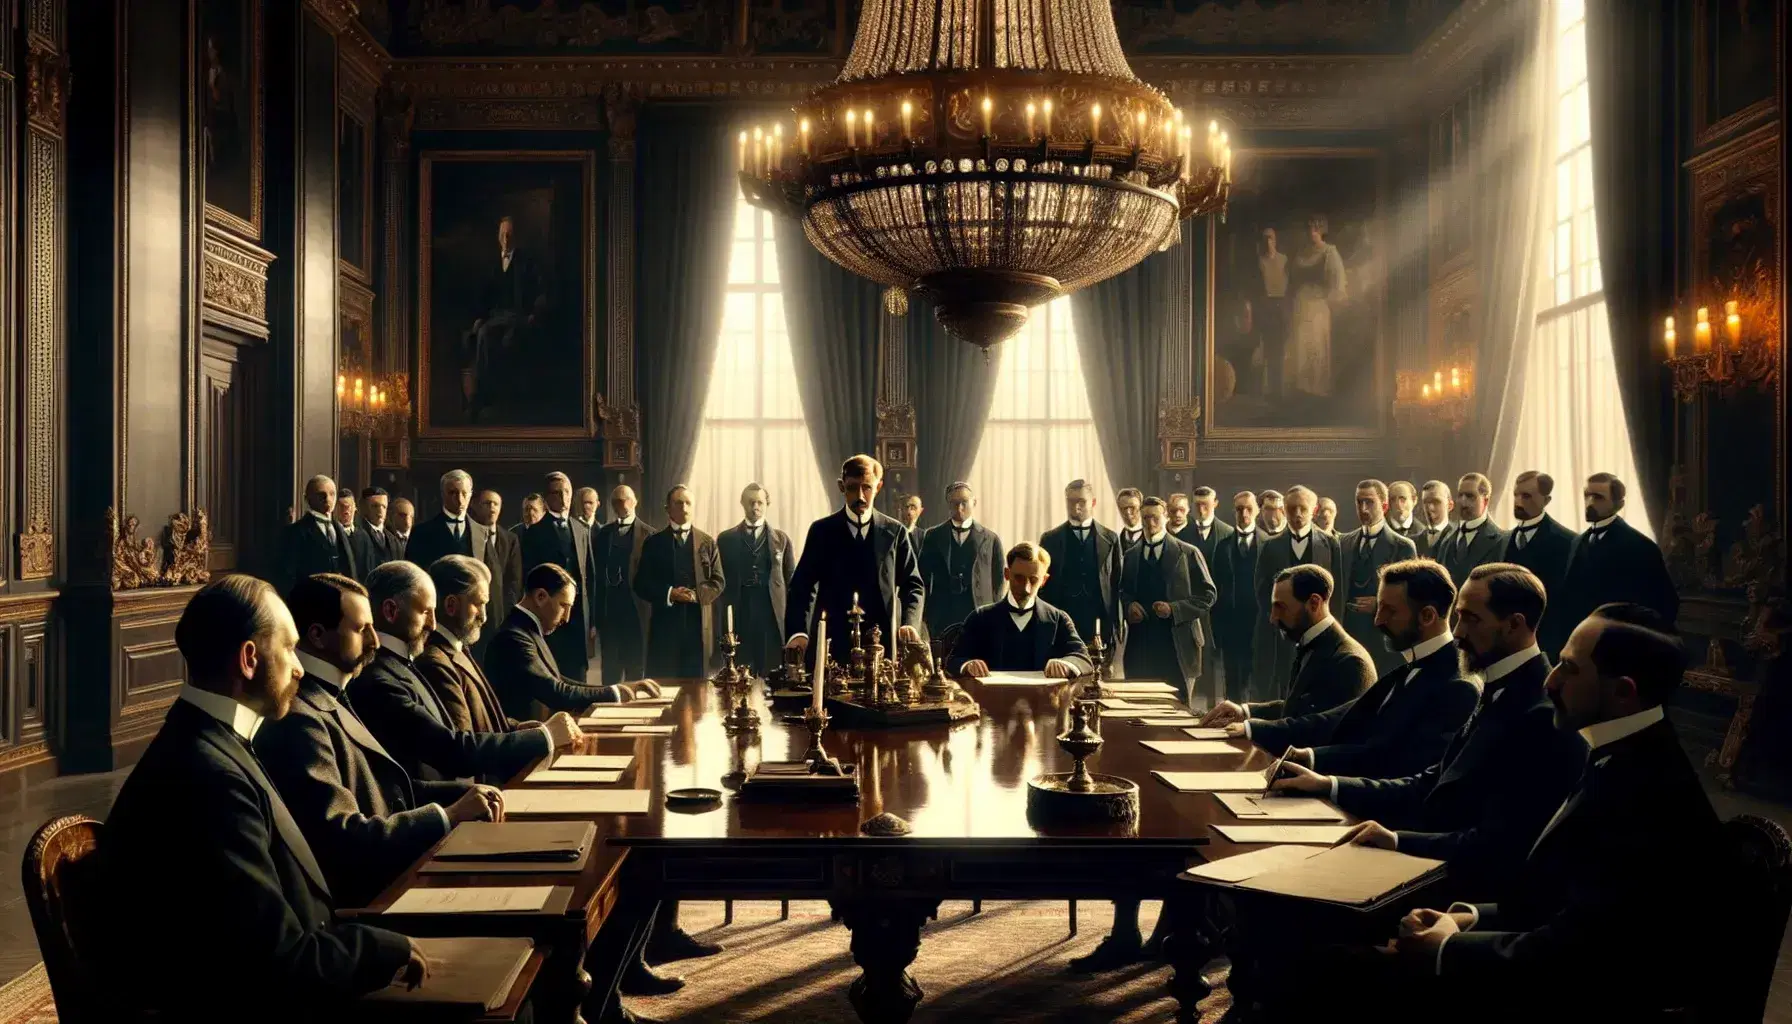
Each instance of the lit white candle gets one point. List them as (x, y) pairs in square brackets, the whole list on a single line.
[(988, 112), (908, 126), (852, 129), (1098, 629), (1032, 109), (730, 618), (870, 132), (819, 677), (805, 127), (1095, 122), (743, 152), (777, 145), (1048, 119)]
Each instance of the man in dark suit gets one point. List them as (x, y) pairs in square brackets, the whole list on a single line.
[(1362, 553), (1164, 587), (1403, 498), (500, 552), (366, 820), (1128, 503), (585, 505), (1021, 633), (621, 616), (344, 514), (908, 513), (1400, 725), (1435, 528), (403, 711), (1272, 513), (449, 662), (562, 540), (1612, 561), (858, 553), (1588, 930), (1476, 540), (511, 303), (521, 664), (1086, 567), (316, 542), (1206, 531), (757, 564), (402, 519), (1542, 545), (1300, 544), (371, 541), (1325, 517), (680, 577), (201, 853), (1329, 667), (1481, 806), (449, 532), (961, 563), (1236, 612), (1176, 506)]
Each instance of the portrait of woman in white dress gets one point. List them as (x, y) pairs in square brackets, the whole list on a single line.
[(1316, 277)]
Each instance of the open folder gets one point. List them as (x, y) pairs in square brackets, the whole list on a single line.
[(1351, 875), (469, 975)]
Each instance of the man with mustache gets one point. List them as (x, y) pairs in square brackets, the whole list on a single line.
[(1402, 499), (1481, 806), (1612, 561), (1301, 544), (1128, 503), (1362, 553), (1542, 545), (1434, 527), (1330, 668), (364, 816), (1476, 539)]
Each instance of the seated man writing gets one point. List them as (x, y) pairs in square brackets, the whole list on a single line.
[(1021, 633), (1401, 725), (521, 664), (1330, 667)]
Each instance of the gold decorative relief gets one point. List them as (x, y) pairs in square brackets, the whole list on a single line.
[(1176, 423), (37, 550), (235, 283), (136, 561), (46, 87), (620, 427), (190, 539)]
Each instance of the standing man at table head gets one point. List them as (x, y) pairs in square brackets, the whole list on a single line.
[(680, 577), (1021, 633), (242, 883), (1086, 566), (858, 552), (757, 565), (621, 616), (1165, 588), (961, 563), (1128, 503), (559, 538)]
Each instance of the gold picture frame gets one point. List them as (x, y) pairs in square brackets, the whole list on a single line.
[(228, 62)]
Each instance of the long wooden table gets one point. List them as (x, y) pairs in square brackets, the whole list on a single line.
[(961, 788)]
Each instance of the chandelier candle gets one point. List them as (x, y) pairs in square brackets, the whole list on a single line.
[(908, 126), (988, 110)]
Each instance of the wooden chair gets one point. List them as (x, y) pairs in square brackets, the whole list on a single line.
[(1764, 896), (60, 875)]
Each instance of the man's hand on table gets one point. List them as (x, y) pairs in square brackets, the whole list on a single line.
[(640, 689), (476, 804), (563, 729), (1226, 712), (415, 970), (1298, 778), (976, 668), (1422, 934), (1370, 833), (1058, 668)]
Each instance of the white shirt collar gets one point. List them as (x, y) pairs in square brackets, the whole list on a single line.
[(454, 643), (375, 529), (1475, 523), (239, 718), (754, 526), (1136, 531), (855, 520), (454, 518), (1426, 648), (1016, 609), (323, 518), (395, 645), (316, 666), (1600, 734), (1527, 523), (1402, 527), (1203, 524), (1084, 525), (533, 618), (1302, 538), (1157, 538), (1503, 667), (1277, 532), (1313, 634), (967, 524), (1607, 521), (1375, 531)]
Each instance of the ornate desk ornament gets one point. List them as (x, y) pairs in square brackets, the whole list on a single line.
[(1081, 796), (895, 688), (735, 684), (1100, 655)]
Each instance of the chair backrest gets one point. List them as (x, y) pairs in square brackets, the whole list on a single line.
[(61, 878), (1765, 903)]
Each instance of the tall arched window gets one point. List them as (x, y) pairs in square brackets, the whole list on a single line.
[(1572, 424), (1040, 435), (753, 427)]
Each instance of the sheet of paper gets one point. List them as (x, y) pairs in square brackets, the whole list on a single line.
[(1206, 733), (1250, 865), (623, 725), (1123, 704), (1124, 689), (493, 899), (1016, 679), (594, 762), (575, 801), (1324, 835), (1346, 874), (1279, 808), (575, 777), (1190, 782), (650, 730), (603, 711), (1158, 722), (1180, 747)]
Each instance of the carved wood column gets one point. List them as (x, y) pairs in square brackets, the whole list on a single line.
[(896, 430), (618, 414), (1178, 410), (42, 190)]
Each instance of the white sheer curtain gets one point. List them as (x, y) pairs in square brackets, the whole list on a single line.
[(1040, 434), (753, 428), (1571, 424)]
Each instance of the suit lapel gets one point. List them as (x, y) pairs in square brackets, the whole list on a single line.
[(882, 540), (284, 824), (408, 673)]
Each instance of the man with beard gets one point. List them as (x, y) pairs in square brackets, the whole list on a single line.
[(1128, 503), (1300, 544), (364, 816), (1542, 545), (1434, 514), (447, 664), (857, 555), (1482, 805), (1400, 725), (621, 616), (404, 713), (201, 852), (1612, 561), (1330, 668), (1402, 499), (1476, 540), (1363, 552), (757, 564), (1236, 612), (1085, 560), (1325, 517)]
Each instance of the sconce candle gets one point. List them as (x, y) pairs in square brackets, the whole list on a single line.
[(1048, 119), (1138, 138), (1437, 381), (1733, 325), (1701, 332), (1669, 336), (870, 132), (743, 152), (805, 131), (1095, 122), (777, 145)]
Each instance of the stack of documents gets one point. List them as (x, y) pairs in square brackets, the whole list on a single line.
[(1352, 875), (1249, 865), (485, 899), (611, 714), (513, 848), (539, 803), (1183, 747), (1206, 733), (593, 762), (1324, 835), (467, 976), (1189, 782), (1016, 679), (1123, 688), (572, 777), (1274, 807)]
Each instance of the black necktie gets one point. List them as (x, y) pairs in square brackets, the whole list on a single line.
[(455, 526), (1152, 550), (1522, 536), (1363, 544), (1082, 533), (559, 522), (1595, 536), (681, 535)]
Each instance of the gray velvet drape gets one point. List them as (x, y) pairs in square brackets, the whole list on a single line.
[(685, 196), (832, 316), (953, 386), (1122, 329)]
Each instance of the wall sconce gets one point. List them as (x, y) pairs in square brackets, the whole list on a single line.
[(1739, 358), (1439, 399), (375, 407)]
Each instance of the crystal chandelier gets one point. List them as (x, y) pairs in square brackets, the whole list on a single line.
[(993, 154)]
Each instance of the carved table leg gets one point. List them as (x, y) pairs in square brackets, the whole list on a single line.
[(886, 936), (1192, 942)]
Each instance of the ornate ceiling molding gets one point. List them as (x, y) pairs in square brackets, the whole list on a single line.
[(539, 80)]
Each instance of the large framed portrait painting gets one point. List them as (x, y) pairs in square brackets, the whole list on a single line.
[(1296, 295), (230, 138), (507, 291)]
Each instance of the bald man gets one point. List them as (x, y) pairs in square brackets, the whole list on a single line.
[(315, 542), (621, 617)]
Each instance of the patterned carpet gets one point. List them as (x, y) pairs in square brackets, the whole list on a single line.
[(1006, 964)]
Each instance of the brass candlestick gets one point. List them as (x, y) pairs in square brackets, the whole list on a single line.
[(816, 721), (855, 621), (1099, 656), (734, 684), (1080, 741)]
